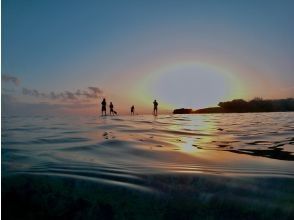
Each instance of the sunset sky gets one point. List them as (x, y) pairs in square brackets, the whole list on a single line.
[(63, 56)]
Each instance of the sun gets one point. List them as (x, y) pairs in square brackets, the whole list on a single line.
[(191, 85), (187, 85)]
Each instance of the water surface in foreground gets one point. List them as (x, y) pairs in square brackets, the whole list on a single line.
[(221, 166), (117, 148)]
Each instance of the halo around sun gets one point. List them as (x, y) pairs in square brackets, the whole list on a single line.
[(190, 85)]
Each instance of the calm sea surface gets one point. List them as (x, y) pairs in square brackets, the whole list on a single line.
[(217, 166), (118, 149)]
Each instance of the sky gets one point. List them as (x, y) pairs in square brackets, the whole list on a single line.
[(64, 56)]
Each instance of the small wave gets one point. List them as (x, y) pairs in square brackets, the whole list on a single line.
[(59, 140), (177, 132), (95, 179)]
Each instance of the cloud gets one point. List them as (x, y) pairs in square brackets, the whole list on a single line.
[(79, 95), (31, 92), (91, 93), (12, 105), (48, 103), (70, 95), (95, 90), (12, 79), (5, 90)]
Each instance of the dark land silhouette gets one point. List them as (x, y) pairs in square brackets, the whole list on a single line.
[(242, 106), (183, 111)]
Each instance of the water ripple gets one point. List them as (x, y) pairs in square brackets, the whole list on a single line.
[(120, 150)]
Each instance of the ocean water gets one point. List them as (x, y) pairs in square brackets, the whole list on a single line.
[(211, 156)]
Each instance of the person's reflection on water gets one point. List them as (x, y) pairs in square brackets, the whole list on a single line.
[(103, 103), (132, 110), (155, 104)]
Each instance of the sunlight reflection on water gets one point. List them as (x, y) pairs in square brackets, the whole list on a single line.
[(105, 148)]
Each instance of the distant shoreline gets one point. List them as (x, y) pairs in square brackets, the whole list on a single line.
[(256, 105), (178, 111)]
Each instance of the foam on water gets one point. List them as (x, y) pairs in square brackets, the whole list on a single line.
[(119, 150)]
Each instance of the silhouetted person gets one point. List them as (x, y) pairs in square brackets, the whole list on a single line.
[(111, 108), (132, 110), (155, 104), (103, 103)]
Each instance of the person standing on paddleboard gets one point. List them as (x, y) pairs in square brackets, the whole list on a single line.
[(111, 112), (103, 103), (132, 110), (155, 104)]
